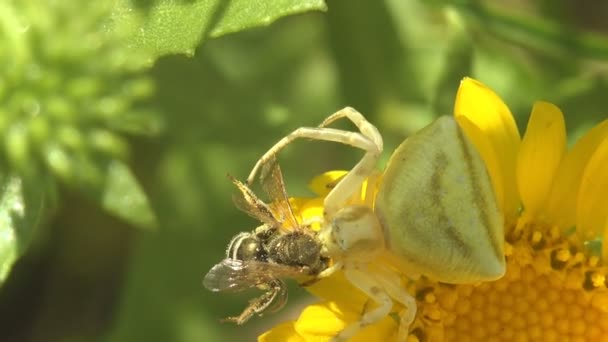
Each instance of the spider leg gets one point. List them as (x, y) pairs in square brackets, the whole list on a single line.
[(368, 139), (392, 284), (368, 285), (315, 133), (364, 126), (331, 270), (364, 168)]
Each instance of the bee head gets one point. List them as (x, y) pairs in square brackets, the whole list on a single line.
[(246, 246)]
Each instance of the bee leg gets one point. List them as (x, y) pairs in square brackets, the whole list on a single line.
[(368, 285), (242, 318), (279, 296), (259, 305)]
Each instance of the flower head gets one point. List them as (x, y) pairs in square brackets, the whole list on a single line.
[(554, 204)]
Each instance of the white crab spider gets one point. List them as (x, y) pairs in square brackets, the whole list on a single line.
[(435, 213)]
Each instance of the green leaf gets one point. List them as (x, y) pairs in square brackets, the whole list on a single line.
[(162, 27), (536, 33), (124, 197), (20, 211)]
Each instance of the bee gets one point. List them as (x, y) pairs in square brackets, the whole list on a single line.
[(279, 248), (434, 213)]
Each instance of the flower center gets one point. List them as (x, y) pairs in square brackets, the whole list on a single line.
[(551, 291)]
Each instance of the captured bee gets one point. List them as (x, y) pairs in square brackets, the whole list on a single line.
[(279, 248), (285, 241)]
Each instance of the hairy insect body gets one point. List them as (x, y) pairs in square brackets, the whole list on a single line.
[(262, 258), (296, 249)]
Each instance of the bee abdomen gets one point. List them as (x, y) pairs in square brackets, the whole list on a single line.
[(295, 249)]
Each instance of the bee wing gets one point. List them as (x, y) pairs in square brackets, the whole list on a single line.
[(235, 275), (249, 203), (229, 275), (273, 184)]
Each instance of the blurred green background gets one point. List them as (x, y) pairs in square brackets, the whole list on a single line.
[(121, 120)]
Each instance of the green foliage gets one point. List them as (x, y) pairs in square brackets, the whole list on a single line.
[(124, 197), (163, 27), (118, 113), (68, 96), (20, 211)]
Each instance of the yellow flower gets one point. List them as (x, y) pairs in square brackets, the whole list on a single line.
[(555, 204)]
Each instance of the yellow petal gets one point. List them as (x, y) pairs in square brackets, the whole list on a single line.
[(489, 156), (322, 184), (297, 204), (490, 114), (321, 322), (338, 289), (541, 151), (562, 202), (309, 211), (592, 206), (284, 332), (304, 210)]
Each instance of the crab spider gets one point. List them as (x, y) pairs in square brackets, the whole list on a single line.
[(435, 214)]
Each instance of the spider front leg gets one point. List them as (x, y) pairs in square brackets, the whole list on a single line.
[(352, 182), (392, 284), (368, 285), (368, 139)]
